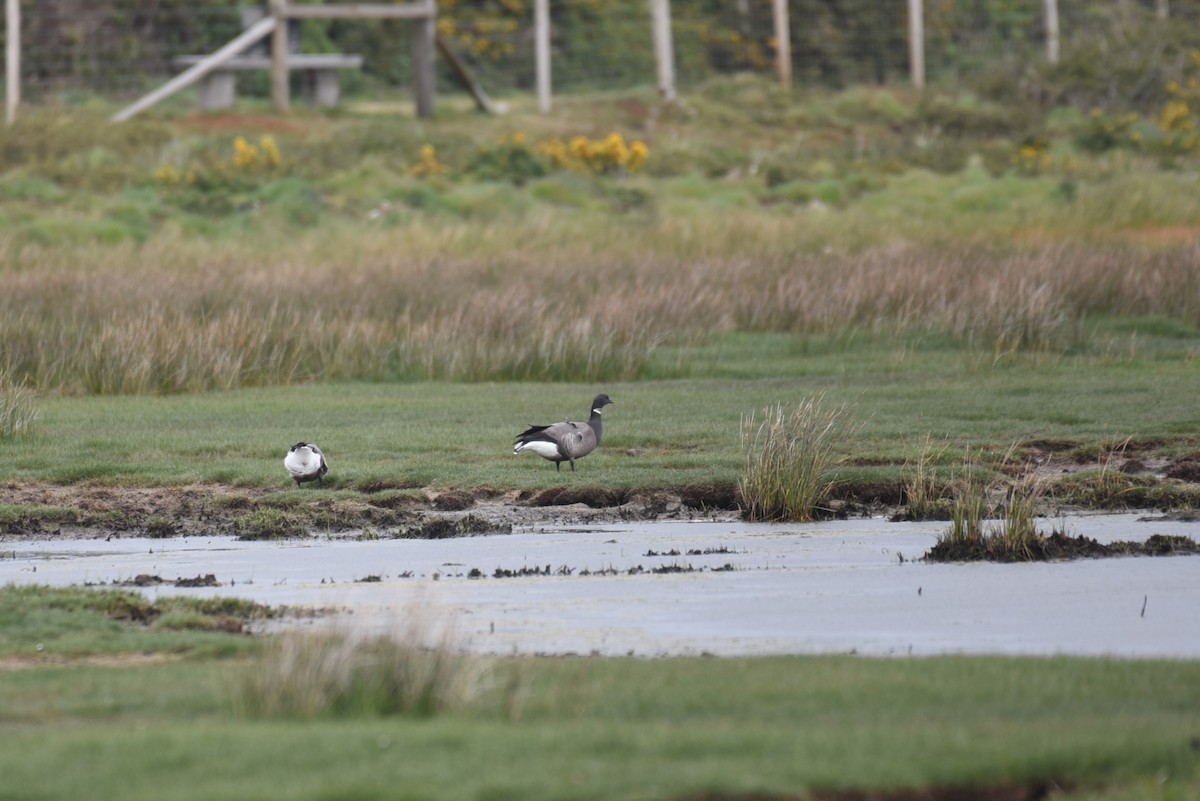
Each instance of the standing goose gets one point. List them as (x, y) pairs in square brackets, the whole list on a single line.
[(566, 441), (305, 462)]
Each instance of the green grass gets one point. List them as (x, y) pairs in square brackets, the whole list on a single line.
[(683, 431), (40, 622), (613, 728), (123, 708)]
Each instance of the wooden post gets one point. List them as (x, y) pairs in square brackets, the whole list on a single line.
[(1162, 9), (280, 88), (541, 46), (660, 19), (783, 44), (12, 61), (916, 43), (197, 71), (424, 75), (1052, 31), (482, 101)]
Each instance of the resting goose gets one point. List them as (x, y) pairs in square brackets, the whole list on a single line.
[(305, 462), (566, 441)]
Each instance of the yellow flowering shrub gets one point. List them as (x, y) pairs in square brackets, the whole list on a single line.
[(514, 159), (1177, 120), (611, 155), (1033, 158), (249, 160), (427, 165)]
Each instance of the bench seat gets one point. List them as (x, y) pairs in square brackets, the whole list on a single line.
[(318, 76)]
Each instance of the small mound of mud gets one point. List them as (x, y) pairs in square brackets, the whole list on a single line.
[(440, 528), (453, 501), (594, 497), (721, 497), (1187, 469)]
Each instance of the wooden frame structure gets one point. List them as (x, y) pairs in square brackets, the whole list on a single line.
[(422, 13)]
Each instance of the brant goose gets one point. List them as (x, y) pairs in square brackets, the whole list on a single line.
[(564, 441), (305, 462)]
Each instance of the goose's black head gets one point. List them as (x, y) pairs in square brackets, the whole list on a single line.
[(600, 402), (297, 447)]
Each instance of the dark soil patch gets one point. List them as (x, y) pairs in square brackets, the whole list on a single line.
[(1187, 469), (722, 497), (595, 497), (1057, 546), (440, 528), (869, 493), (453, 501), (1034, 790)]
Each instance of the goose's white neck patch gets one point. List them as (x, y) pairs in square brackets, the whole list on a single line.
[(597, 411)]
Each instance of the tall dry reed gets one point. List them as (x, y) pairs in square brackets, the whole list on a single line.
[(478, 305)]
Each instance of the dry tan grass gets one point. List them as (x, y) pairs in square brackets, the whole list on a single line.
[(416, 670), (464, 304)]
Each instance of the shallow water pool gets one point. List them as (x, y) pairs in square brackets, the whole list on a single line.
[(676, 588)]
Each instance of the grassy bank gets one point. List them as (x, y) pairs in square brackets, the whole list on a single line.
[(657, 434)]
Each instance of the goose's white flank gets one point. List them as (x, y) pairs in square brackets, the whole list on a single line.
[(305, 462)]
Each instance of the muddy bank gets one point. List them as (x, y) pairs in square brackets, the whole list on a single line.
[(1075, 481), (39, 509)]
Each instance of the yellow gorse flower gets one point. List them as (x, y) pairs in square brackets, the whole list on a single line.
[(428, 165), (270, 152), (245, 155), (609, 155), (167, 175)]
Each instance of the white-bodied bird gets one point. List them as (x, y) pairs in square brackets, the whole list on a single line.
[(305, 462), (566, 441)]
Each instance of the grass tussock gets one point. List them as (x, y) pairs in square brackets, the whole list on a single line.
[(532, 305), (413, 672), (18, 414), (994, 520), (787, 454), (924, 493)]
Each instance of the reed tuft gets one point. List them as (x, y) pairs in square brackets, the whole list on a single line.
[(1011, 536), (787, 455), (924, 495)]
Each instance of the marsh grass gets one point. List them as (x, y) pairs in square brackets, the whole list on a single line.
[(414, 671), (969, 508), (533, 304), (787, 455), (18, 413), (924, 494), (269, 523), (993, 520)]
